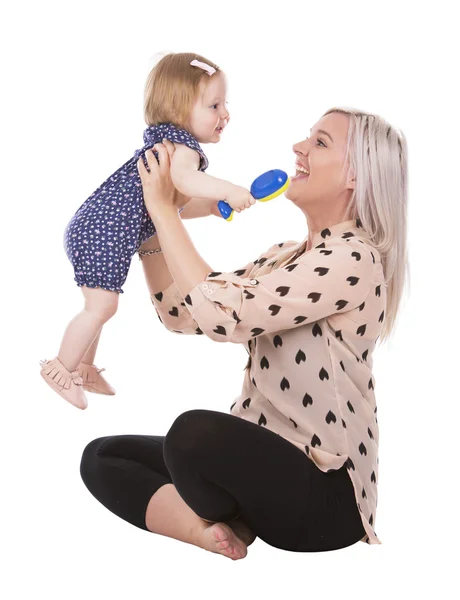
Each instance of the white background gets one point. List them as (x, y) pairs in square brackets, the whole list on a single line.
[(73, 76)]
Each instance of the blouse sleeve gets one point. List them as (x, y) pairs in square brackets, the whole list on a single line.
[(172, 310), (234, 308)]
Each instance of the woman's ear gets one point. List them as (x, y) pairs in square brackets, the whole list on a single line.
[(351, 180)]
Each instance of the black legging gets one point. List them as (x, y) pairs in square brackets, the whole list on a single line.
[(224, 466)]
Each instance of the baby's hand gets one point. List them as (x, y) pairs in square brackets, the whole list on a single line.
[(239, 198)]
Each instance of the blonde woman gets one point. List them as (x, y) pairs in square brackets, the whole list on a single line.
[(185, 102), (296, 460)]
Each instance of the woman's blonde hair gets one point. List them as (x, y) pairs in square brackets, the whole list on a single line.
[(377, 156), (172, 88)]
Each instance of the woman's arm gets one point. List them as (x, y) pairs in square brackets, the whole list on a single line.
[(170, 305), (164, 295)]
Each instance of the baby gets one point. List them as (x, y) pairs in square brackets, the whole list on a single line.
[(185, 102)]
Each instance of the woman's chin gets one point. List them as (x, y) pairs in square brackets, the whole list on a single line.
[(290, 195)]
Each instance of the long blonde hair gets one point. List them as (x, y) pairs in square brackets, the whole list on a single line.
[(377, 155), (172, 88)]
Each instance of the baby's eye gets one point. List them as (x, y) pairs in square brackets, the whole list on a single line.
[(214, 106)]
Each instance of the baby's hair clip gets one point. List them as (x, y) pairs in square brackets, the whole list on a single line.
[(209, 70)]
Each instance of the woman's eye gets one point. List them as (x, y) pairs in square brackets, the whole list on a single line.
[(321, 141)]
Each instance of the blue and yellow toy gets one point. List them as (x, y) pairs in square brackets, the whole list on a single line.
[(267, 186)]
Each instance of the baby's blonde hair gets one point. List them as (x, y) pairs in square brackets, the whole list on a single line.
[(172, 88)]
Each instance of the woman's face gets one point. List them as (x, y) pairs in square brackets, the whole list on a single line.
[(322, 155)]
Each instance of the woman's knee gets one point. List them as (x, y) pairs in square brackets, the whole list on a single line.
[(90, 459), (190, 430)]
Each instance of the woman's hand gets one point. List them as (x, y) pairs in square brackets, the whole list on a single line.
[(157, 186)]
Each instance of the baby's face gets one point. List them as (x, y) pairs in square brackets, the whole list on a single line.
[(209, 115)]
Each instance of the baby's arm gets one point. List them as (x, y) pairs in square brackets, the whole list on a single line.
[(194, 183), (200, 207)]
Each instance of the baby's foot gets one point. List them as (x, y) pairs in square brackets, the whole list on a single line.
[(221, 539)]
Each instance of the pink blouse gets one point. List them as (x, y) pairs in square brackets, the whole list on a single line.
[(309, 321)]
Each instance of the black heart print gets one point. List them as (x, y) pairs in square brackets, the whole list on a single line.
[(220, 329), (246, 403), (277, 341), (284, 385), (330, 417), (307, 399), (315, 441), (262, 419), (257, 331), (235, 316), (282, 290), (317, 330), (323, 374), (300, 357), (274, 309), (341, 304), (361, 329), (291, 267)]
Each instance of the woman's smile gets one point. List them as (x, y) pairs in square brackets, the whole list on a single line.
[(301, 172)]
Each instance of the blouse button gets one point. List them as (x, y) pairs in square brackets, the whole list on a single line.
[(210, 291), (253, 281), (204, 286)]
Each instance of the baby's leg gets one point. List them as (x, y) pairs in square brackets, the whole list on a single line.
[(91, 353), (100, 306)]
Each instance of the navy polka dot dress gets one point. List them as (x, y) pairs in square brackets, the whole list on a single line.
[(110, 226)]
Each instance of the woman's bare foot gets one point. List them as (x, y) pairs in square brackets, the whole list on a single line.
[(221, 539)]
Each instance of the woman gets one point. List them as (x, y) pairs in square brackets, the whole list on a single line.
[(295, 462)]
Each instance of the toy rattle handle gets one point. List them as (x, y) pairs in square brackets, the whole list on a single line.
[(267, 186), (225, 209)]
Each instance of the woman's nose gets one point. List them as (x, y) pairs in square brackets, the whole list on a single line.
[(300, 147)]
